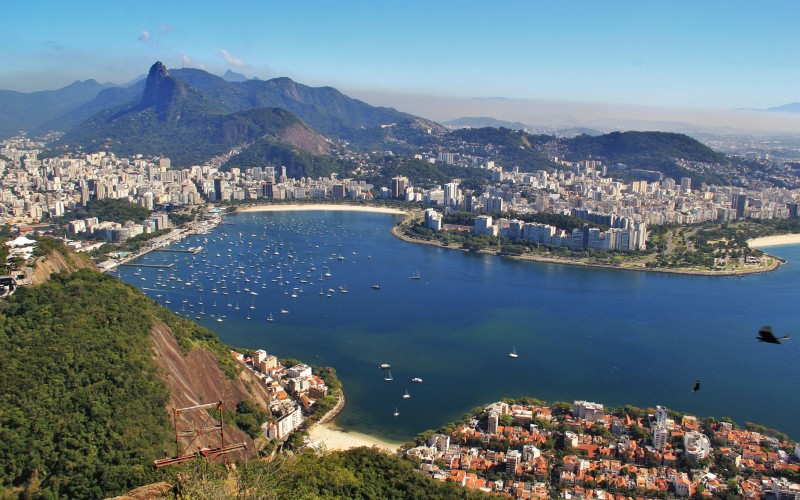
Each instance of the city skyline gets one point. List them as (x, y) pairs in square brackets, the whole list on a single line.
[(557, 63)]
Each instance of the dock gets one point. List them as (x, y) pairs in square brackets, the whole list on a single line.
[(162, 266), (194, 250)]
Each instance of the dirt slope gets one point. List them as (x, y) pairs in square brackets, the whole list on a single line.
[(56, 263), (197, 379)]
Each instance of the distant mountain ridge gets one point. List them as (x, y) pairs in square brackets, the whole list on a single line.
[(28, 111), (792, 107), (484, 121)]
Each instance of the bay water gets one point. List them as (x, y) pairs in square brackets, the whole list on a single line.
[(609, 336)]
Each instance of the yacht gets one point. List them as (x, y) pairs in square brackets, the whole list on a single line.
[(406, 395), (388, 376), (385, 366), (396, 413), (416, 380), (513, 353)]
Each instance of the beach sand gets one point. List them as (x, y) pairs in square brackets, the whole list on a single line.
[(331, 207), (773, 241), (336, 439)]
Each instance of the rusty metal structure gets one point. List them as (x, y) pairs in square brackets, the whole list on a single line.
[(209, 426)]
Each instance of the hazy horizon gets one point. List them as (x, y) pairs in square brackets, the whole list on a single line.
[(551, 61)]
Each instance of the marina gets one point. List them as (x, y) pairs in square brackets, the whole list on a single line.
[(588, 334)]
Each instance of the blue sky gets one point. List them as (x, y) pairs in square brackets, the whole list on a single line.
[(691, 55)]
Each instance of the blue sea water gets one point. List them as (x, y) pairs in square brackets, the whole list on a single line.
[(609, 336)]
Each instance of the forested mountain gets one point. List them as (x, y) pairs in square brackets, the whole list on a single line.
[(644, 150), (84, 399), (623, 152), (174, 119)]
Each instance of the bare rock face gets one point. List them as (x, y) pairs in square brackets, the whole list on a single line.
[(196, 379), (161, 90), (155, 491)]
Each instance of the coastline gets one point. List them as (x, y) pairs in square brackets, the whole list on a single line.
[(302, 207), (332, 437), (776, 262), (774, 241)]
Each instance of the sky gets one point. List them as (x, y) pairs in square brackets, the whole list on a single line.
[(699, 56)]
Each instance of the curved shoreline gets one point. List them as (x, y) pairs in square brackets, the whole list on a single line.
[(763, 242), (776, 262), (775, 240), (304, 207)]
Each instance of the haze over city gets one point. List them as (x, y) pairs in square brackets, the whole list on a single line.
[(552, 63)]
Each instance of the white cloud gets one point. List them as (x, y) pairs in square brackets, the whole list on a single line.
[(145, 37), (165, 27), (233, 61)]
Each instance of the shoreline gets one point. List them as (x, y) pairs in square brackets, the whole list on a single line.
[(776, 262), (331, 437), (304, 207), (775, 240)]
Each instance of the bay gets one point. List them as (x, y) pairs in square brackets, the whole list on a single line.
[(609, 336)]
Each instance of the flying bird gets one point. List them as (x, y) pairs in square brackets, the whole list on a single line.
[(766, 335), (696, 385)]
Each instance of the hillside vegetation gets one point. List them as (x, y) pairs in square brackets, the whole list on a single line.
[(360, 473), (82, 411)]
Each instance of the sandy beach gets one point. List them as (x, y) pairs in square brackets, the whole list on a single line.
[(773, 241), (331, 207), (336, 439)]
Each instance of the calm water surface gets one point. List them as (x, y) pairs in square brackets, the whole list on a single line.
[(612, 337)]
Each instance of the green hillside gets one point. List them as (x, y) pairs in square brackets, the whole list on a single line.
[(361, 473), (646, 150), (82, 407)]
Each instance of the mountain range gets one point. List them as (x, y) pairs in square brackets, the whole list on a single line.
[(191, 116)]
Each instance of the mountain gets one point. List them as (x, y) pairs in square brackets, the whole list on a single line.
[(90, 368), (323, 109), (190, 120), (231, 76), (793, 107), (654, 151), (481, 122), (28, 111), (191, 115)]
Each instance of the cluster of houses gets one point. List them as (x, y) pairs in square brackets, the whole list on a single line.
[(292, 391), (535, 451)]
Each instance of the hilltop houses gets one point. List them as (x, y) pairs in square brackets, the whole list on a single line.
[(293, 391)]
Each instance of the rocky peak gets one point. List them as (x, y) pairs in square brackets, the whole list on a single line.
[(160, 89)]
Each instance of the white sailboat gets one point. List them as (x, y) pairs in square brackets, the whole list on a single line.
[(269, 318), (406, 395), (388, 376), (513, 353), (396, 413), (415, 275)]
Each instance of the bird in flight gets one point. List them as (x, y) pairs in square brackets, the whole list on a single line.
[(696, 385), (766, 335)]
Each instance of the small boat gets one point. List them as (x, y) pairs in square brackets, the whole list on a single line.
[(388, 376), (406, 395), (284, 311), (513, 353), (376, 287), (396, 413), (416, 380), (415, 275), (269, 318), (385, 366)]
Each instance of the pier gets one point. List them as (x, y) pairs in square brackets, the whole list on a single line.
[(194, 250), (162, 266)]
